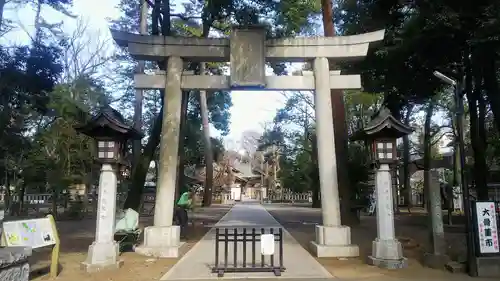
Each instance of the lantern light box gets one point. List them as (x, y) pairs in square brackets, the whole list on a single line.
[(381, 134), (111, 133)]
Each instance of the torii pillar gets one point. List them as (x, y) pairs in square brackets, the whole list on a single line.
[(163, 238), (332, 238)]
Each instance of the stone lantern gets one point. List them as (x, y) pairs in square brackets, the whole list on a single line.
[(381, 134), (111, 134)]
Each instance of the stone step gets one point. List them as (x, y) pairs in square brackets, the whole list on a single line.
[(455, 267)]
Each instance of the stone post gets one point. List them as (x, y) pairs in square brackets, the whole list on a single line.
[(332, 238), (387, 251), (163, 239), (14, 264), (104, 251), (437, 258)]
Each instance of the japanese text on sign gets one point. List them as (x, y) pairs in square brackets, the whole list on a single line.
[(487, 227)]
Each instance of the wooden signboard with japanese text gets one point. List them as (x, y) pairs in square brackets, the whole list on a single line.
[(486, 228)]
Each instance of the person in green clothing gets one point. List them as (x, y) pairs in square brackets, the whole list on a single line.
[(184, 203)]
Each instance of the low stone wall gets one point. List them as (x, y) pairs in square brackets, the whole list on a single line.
[(14, 264), (223, 198), (305, 197)]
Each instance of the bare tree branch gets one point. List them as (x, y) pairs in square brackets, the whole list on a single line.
[(307, 100), (25, 29), (85, 52), (438, 139), (437, 130)]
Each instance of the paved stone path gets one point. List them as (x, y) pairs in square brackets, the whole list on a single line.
[(197, 263)]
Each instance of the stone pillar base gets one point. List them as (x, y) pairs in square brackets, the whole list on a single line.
[(435, 261), (334, 241), (488, 267), (102, 256), (387, 254), (160, 242)]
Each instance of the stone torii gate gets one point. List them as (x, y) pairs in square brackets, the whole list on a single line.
[(248, 50)]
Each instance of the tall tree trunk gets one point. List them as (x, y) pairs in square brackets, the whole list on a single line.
[(427, 153), (483, 146), (7, 195), (450, 197), (22, 191), (209, 166), (491, 82), (38, 27), (155, 17), (457, 165), (406, 162), (143, 29), (54, 202), (166, 23), (209, 155), (316, 200), (474, 97), (308, 144), (348, 215), (395, 189), (457, 168), (184, 109), (182, 137), (139, 172), (481, 104)]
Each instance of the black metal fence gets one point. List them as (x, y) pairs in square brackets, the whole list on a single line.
[(234, 238)]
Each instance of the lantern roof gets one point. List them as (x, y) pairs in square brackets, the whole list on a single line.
[(382, 125), (109, 123)]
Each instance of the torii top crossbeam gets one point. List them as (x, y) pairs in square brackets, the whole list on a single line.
[(149, 47), (248, 50)]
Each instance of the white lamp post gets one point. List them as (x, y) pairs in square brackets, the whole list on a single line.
[(382, 133), (111, 134)]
